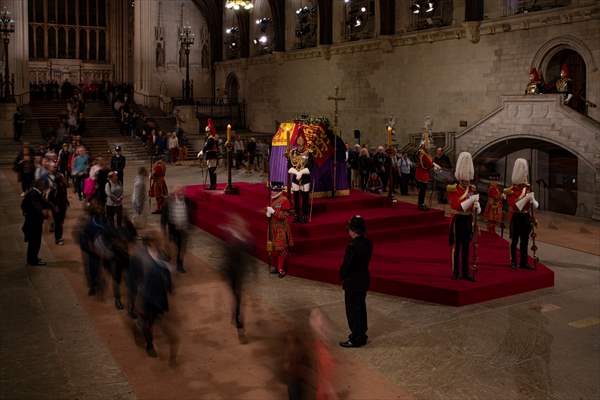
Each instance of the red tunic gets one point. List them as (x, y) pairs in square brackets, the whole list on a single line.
[(513, 195), (459, 193), (280, 228), (158, 186), (493, 208), (424, 165)]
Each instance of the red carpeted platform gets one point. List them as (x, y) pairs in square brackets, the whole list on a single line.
[(411, 255)]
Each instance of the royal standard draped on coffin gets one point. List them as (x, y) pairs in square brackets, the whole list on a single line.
[(319, 139)]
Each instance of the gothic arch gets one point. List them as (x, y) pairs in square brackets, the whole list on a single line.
[(553, 46), (542, 138)]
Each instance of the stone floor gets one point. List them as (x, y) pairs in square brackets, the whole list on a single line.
[(56, 342)]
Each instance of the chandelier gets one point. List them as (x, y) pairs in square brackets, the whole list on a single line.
[(239, 4)]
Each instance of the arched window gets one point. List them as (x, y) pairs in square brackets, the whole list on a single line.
[(306, 25), (92, 45), (72, 42), (39, 42), (39, 10), (61, 11), (101, 12), (51, 11), (102, 46), (62, 43), (83, 45), (83, 12), (31, 43), (71, 12), (92, 15), (360, 19), (51, 43), (54, 27)]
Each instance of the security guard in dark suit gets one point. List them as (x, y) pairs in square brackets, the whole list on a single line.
[(35, 209), (354, 274)]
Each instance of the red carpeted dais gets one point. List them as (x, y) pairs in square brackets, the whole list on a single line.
[(411, 256)]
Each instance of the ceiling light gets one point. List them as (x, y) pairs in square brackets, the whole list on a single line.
[(363, 9), (239, 4), (430, 9), (415, 8)]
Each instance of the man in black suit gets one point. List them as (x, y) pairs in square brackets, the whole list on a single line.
[(35, 209), (354, 274)]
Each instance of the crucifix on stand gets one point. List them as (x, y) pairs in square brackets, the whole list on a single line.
[(337, 98)]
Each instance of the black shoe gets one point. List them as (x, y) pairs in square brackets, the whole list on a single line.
[(469, 278), (513, 266), (273, 270), (297, 220), (455, 277), (38, 263), (282, 274), (350, 343), (527, 266), (181, 270), (151, 352), (118, 304)]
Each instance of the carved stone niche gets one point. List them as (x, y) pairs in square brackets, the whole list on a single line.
[(472, 30)]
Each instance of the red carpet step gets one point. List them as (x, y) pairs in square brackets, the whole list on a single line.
[(411, 256)]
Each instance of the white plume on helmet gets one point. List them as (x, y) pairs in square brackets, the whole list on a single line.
[(464, 167), (520, 172)]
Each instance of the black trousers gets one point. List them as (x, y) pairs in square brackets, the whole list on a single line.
[(92, 270), (383, 176), (404, 184), (179, 239), (212, 173), (422, 186), (520, 228), (462, 231), (59, 220), (356, 313), (120, 176), (112, 212), (34, 242), (300, 196)]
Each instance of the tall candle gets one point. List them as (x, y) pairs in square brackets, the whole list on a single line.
[(228, 133), (389, 138)]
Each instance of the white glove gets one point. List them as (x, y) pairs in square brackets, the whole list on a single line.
[(270, 211), (468, 203), (534, 202), (477, 207), (475, 196), (521, 203)]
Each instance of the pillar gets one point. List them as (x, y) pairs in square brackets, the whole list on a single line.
[(18, 49)]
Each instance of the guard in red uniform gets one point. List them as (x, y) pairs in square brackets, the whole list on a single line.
[(464, 201), (211, 153), (281, 234), (493, 210), (158, 186), (520, 198), (422, 172)]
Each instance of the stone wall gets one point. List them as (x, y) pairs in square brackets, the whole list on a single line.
[(455, 73), (152, 81)]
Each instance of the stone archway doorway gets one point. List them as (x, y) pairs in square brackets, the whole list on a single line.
[(232, 88), (577, 69), (553, 170)]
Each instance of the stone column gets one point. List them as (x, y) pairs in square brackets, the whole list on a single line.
[(18, 49), (145, 15), (118, 36)]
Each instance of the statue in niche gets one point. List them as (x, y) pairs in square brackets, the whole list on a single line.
[(160, 54)]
